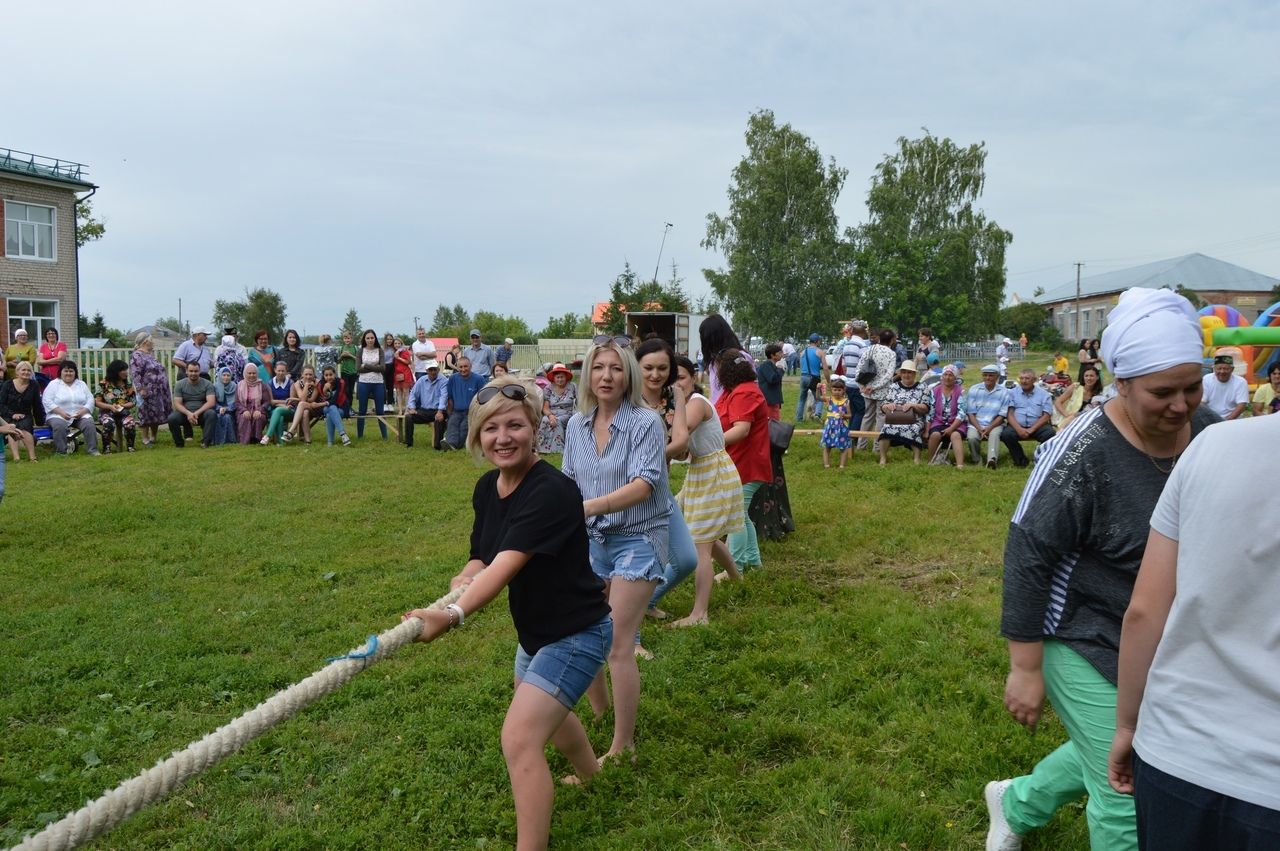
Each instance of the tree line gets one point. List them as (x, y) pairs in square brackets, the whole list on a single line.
[(925, 256)]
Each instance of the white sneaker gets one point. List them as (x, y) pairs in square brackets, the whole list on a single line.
[(1000, 837)]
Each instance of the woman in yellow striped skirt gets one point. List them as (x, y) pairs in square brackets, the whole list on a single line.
[(711, 498)]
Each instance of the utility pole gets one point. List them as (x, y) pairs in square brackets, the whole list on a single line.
[(668, 227), (1078, 331)]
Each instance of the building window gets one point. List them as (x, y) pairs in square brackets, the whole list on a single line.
[(29, 231), (1084, 330), (36, 316), (1102, 319)]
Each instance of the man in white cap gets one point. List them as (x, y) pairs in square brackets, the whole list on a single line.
[(427, 403), (987, 404), (503, 353), (193, 351), (424, 351), (1225, 393), (1002, 358), (480, 355)]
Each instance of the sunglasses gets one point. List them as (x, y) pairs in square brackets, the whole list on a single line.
[(514, 392), (622, 341)]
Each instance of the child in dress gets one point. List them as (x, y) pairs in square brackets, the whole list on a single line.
[(835, 431)]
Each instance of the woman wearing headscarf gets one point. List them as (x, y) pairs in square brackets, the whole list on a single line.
[(152, 384), (224, 405), (253, 401), (1075, 543), (947, 418), (229, 355)]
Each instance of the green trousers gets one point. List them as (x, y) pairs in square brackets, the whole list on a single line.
[(1086, 703), (743, 545)]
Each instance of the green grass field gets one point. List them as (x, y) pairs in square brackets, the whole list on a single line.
[(847, 696)]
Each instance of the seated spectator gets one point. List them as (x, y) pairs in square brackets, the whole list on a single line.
[(1061, 365), (462, 388), (905, 397), (502, 354), (69, 402), (1030, 409), (1225, 393), (947, 419), (253, 403), (1077, 398), (224, 405), (333, 392), (308, 405), (985, 406), (427, 403), (116, 402), (14, 436), (1266, 400), (193, 401), (20, 402), (500, 368), (282, 405), (559, 400)]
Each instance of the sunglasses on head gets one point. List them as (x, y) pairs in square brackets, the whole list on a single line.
[(514, 392), (622, 341)]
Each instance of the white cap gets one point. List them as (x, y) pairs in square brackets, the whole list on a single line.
[(509, 341), (199, 329)]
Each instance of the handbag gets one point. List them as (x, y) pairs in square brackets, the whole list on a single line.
[(900, 417), (780, 434)]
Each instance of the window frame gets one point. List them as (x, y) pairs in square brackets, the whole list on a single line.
[(52, 224), (35, 325)]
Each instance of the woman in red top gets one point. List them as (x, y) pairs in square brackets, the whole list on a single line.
[(403, 373), (51, 355), (744, 416)]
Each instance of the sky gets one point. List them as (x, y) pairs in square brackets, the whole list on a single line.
[(394, 156)]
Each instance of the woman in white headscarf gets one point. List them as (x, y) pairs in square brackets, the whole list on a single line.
[(1075, 543)]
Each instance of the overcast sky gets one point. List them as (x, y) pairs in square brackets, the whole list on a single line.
[(390, 156)]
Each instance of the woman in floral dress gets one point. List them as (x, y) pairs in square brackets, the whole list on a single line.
[(904, 394), (115, 401), (152, 384), (558, 403)]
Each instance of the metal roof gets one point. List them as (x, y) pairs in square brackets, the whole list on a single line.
[(1193, 271), (45, 168)]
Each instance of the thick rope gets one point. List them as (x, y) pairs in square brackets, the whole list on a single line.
[(99, 816)]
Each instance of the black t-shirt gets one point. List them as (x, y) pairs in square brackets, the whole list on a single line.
[(556, 593)]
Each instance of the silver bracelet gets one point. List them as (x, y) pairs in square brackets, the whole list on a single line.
[(455, 609)]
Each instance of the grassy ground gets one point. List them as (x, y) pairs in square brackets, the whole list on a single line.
[(847, 696)]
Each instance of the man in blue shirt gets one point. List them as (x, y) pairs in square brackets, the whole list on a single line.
[(812, 366), (481, 356), (1030, 409), (462, 388), (986, 404), (428, 401)]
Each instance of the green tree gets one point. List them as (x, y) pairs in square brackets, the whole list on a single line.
[(261, 309), (1190, 295), (88, 229), (567, 326), (494, 328), (351, 324), (172, 323), (925, 255), (1033, 320), (786, 266), (448, 320), (628, 294)]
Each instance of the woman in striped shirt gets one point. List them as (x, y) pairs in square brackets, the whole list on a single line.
[(614, 450)]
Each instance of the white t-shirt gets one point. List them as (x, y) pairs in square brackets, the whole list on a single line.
[(1223, 396), (1211, 710), (427, 348)]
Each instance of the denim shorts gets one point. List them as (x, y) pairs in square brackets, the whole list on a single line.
[(629, 557), (564, 668)]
